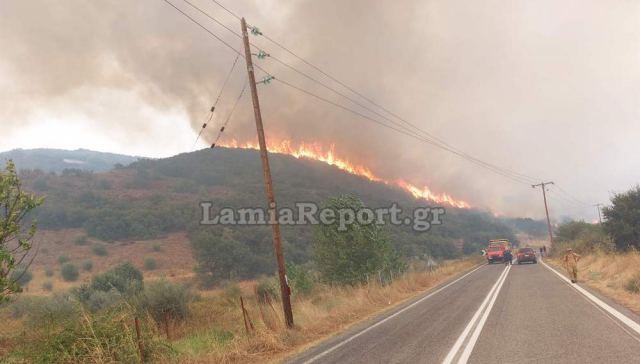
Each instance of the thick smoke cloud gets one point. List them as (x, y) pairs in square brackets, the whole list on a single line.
[(545, 88)]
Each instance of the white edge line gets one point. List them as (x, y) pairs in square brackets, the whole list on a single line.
[(612, 311), (476, 333), (320, 355), (463, 336)]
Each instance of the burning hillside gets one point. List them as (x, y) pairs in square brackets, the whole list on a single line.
[(318, 152)]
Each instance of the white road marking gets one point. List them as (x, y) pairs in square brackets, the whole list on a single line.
[(612, 311), (476, 333), (320, 355), (461, 339)]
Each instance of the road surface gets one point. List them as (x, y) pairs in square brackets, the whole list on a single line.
[(493, 314)]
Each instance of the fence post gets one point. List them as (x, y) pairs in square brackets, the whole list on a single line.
[(139, 337)]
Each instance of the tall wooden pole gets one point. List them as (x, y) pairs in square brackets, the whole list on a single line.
[(275, 227), (546, 209)]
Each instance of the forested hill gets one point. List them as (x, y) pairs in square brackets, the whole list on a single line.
[(57, 160), (150, 198)]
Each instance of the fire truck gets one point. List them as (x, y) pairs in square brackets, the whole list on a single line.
[(496, 249)]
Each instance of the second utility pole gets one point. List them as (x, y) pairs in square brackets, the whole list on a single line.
[(275, 227), (546, 209)]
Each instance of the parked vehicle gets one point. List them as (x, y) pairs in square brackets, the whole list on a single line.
[(496, 249), (526, 255)]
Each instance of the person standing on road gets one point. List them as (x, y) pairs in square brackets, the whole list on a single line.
[(571, 264), (541, 252), (508, 257)]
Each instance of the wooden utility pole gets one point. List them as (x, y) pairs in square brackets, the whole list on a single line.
[(597, 206), (275, 226), (546, 209)]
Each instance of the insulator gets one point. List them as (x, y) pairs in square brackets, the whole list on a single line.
[(204, 125), (213, 108), (213, 145), (222, 129)]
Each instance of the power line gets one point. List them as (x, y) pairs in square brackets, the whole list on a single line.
[(213, 108), (498, 170), (204, 28), (427, 137), (235, 104), (369, 100), (384, 125)]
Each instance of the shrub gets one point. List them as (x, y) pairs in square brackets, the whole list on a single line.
[(156, 247), (81, 240), (103, 337), (232, 292), (19, 306), (48, 271), (125, 278), (47, 286), (69, 272), (100, 300), (21, 276), (266, 290), (63, 259), (87, 265), (164, 299), (633, 284), (99, 250), (300, 279), (150, 264)]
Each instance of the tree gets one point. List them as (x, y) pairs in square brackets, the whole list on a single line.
[(15, 232), (622, 219), (350, 256)]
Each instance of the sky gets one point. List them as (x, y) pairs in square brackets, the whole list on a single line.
[(547, 89)]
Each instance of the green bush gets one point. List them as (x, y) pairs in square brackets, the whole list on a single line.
[(100, 300), (99, 250), (125, 278), (633, 284), (63, 259), (156, 247), (81, 240), (163, 299), (150, 264), (69, 272), (47, 286), (266, 289), (102, 337), (22, 305), (48, 271), (231, 293), (300, 280), (21, 276), (87, 265)]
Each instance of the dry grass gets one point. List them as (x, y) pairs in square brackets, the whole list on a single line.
[(609, 274), (325, 312), (214, 331), (174, 260)]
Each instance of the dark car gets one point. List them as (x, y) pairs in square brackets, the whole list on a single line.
[(526, 255)]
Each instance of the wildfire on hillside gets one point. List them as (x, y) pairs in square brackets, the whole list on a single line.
[(318, 152)]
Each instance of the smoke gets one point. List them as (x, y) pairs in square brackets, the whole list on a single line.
[(543, 88)]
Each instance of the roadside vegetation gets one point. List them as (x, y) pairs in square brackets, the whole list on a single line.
[(96, 322), (610, 252), (116, 316)]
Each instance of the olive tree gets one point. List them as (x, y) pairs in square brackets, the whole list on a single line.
[(15, 232)]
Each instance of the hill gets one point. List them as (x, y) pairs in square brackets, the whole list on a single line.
[(56, 160), (153, 199)]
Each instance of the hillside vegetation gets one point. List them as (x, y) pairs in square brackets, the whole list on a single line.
[(152, 198)]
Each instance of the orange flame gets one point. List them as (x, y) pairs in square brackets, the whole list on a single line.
[(316, 151)]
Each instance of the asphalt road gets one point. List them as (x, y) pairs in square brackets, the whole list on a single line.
[(520, 314)]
